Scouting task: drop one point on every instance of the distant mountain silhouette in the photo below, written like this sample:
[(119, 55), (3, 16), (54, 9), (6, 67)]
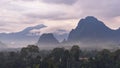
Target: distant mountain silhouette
[(23, 37), (26, 36), (47, 39), (91, 29)]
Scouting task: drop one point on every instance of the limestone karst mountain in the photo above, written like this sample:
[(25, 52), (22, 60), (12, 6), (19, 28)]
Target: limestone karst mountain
[(47, 39), (23, 37), (91, 31)]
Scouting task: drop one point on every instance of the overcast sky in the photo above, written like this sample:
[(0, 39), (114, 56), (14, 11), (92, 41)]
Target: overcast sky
[(15, 15)]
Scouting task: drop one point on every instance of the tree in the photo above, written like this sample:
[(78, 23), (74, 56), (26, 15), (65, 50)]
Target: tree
[(57, 54), (116, 56), (75, 52), (65, 59), (29, 50), (104, 59), (29, 54)]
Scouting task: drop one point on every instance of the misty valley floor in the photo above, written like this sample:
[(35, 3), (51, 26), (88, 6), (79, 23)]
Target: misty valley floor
[(32, 57)]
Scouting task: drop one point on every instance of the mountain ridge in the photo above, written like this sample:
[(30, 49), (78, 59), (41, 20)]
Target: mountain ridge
[(22, 37), (91, 31), (47, 39)]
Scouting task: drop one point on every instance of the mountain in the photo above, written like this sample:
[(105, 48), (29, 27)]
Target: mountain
[(91, 30), (47, 39), (23, 37), (29, 35)]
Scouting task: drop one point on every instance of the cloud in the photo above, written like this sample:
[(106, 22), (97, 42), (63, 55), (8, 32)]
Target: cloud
[(67, 2), (103, 8), (29, 0), (23, 13), (4, 29), (53, 15)]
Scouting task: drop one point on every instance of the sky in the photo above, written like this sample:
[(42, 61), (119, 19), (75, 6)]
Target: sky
[(15, 15)]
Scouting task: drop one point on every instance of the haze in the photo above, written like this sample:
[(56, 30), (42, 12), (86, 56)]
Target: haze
[(15, 15)]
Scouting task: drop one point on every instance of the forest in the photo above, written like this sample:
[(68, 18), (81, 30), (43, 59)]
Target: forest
[(32, 57)]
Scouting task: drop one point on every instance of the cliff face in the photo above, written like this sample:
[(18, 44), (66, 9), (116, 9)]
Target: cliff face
[(89, 32), (92, 29), (47, 39)]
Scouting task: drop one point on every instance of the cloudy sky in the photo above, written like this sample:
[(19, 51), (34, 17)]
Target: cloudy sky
[(15, 15)]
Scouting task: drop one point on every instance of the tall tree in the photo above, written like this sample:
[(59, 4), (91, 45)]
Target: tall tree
[(75, 52)]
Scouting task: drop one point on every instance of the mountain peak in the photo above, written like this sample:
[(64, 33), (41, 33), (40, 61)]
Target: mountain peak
[(28, 29), (39, 26), (91, 18), (34, 27), (47, 39), (90, 27), (90, 22), (47, 35)]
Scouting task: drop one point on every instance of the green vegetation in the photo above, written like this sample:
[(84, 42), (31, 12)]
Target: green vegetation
[(32, 57)]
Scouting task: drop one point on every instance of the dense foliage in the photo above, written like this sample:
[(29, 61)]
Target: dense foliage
[(32, 57)]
